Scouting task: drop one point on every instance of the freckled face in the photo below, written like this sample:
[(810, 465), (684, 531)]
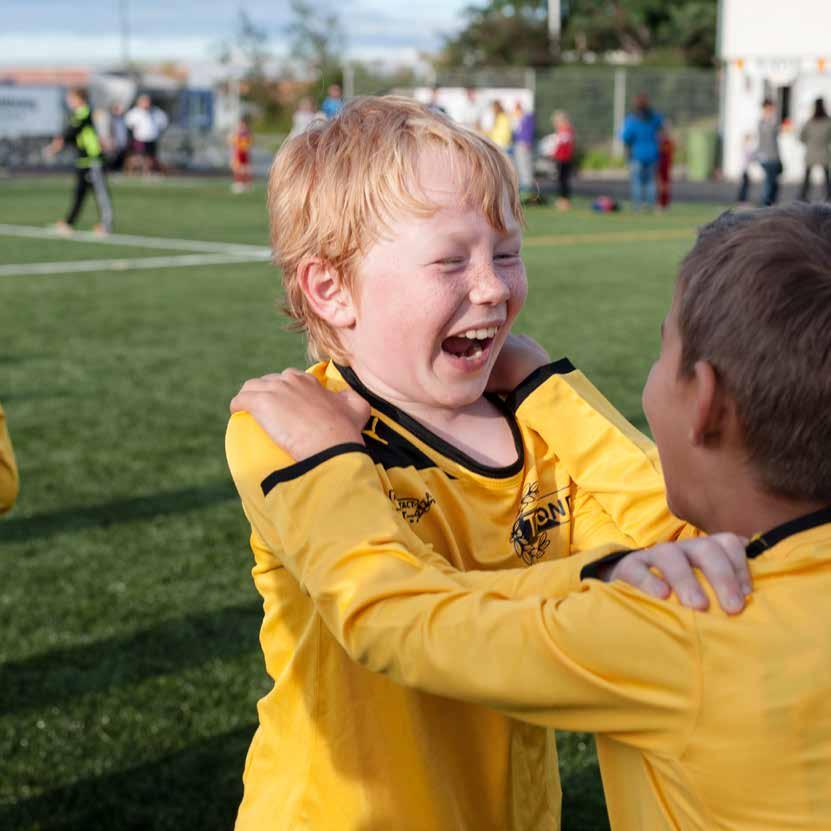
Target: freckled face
[(437, 297)]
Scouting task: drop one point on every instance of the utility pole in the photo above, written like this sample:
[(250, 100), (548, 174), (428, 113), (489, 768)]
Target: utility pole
[(554, 20), (554, 28), (125, 36)]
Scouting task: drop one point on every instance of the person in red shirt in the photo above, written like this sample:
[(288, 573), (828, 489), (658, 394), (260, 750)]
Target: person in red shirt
[(666, 148), (241, 141), (564, 157)]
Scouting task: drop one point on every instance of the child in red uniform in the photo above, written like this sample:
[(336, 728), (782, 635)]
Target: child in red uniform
[(241, 141), (564, 157), (666, 148)]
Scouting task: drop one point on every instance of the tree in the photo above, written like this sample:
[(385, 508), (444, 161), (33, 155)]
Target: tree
[(318, 41), (249, 46), (504, 33), (501, 33)]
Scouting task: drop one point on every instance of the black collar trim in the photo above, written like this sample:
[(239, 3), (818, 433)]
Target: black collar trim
[(762, 542), (436, 442), (535, 380)]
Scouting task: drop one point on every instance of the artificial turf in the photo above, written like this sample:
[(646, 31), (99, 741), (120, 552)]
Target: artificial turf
[(129, 659)]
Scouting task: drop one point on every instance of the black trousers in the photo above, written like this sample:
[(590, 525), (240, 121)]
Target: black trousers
[(806, 183), (564, 179), (86, 178)]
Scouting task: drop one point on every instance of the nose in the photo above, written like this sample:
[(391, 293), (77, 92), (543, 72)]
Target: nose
[(488, 287)]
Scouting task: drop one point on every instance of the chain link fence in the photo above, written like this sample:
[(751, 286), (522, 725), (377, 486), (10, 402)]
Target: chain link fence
[(596, 98)]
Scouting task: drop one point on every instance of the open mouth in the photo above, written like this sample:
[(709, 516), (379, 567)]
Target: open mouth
[(470, 345)]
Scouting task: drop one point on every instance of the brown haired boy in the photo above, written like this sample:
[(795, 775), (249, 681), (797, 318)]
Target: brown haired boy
[(702, 721), (399, 234)]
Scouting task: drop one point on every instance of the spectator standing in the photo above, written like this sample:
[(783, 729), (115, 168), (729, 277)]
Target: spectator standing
[(500, 132), (767, 152), (640, 133), (563, 157), (303, 116), (470, 114), (333, 102), (433, 104), (748, 157), (816, 136), (523, 136), (666, 150), (147, 123), (119, 138)]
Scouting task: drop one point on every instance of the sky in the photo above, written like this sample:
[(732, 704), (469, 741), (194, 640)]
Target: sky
[(83, 32)]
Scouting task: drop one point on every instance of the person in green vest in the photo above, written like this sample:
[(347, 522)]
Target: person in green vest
[(89, 166)]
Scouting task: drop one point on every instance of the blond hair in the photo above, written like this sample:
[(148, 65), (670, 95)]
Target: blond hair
[(334, 188)]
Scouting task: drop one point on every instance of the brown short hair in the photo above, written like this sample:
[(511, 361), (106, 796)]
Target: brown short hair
[(754, 300), (333, 188)]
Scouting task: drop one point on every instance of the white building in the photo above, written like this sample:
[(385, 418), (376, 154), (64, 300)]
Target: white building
[(775, 49)]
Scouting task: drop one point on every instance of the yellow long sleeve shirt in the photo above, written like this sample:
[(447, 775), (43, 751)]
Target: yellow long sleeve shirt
[(8, 468), (339, 747), (703, 721)]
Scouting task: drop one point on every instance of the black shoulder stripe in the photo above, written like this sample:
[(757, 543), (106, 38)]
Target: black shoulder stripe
[(536, 379), (296, 470)]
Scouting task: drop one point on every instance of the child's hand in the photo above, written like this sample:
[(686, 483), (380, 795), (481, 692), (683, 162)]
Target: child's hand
[(300, 415), (519, 357), (721, 558)]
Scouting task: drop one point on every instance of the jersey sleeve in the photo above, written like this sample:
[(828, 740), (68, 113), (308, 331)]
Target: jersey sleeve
[(603, 453), (259, 467), (9, 482), (603, 659)]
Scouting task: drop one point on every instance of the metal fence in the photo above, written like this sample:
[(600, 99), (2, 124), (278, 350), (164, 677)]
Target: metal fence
[(595, 97)]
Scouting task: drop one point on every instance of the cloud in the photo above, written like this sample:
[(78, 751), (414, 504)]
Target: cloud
[(189, 30)]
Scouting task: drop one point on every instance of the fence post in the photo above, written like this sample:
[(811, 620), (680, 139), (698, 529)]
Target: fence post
[(348, 81), (619, 111), (531, 82)]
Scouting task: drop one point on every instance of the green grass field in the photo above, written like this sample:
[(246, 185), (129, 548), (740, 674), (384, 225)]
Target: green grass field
[(129, 660)]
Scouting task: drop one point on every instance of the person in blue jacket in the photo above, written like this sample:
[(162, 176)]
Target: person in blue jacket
[(641, 137)]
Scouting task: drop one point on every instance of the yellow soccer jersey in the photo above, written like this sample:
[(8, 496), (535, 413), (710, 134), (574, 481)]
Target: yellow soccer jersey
[(8, 468), (338, 747), (703, 721)]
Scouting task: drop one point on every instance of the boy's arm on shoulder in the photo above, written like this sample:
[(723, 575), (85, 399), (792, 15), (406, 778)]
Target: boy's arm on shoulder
[(252, 456), (543, 660), (261, 468), (9, 482), (602, 452)]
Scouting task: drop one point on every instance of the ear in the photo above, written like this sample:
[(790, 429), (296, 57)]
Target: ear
[(713, 410), (326, 293)]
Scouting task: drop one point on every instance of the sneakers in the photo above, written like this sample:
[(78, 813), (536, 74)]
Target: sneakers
[(62, 228)]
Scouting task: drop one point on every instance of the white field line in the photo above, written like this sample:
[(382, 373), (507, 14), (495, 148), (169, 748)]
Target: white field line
[(163, 243), (77, 266)]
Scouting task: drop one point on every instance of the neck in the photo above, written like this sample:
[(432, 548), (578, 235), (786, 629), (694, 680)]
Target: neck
[(754, 512), (494, 441)]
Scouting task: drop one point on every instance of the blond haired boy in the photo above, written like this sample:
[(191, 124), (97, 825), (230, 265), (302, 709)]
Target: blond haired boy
[(398, 234)]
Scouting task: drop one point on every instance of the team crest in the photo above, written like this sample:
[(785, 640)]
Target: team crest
[(537, 515), (411, 508)]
